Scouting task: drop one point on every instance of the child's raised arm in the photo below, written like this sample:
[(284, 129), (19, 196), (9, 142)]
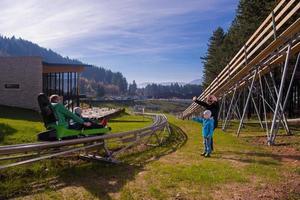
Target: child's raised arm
[(198, 119)]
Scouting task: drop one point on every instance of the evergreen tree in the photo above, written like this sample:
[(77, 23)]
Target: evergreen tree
[(170, 91), (213, 60), (222, 47), (100, 91), (132, 88)]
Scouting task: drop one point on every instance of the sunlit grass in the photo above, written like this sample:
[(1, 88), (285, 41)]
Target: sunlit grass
[(172, 170)]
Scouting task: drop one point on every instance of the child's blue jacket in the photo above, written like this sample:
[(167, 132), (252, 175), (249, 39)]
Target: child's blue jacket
[(207, 126)]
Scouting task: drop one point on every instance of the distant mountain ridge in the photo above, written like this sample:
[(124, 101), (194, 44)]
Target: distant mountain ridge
[(95, 78), (19, 47), (196, 82)]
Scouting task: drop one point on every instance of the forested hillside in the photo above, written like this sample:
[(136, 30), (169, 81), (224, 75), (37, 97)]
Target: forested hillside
[(96, 81), (223, 46), (94, 77), (19, 47), (174, 90)]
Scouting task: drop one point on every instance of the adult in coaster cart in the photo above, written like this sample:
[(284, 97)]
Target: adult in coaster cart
[(56, 116), (211, 104)]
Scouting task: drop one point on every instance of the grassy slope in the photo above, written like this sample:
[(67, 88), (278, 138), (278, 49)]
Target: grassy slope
[(151, 105), (21, 126), (18, 125), (186, 174), (173, 170), (164, 106)]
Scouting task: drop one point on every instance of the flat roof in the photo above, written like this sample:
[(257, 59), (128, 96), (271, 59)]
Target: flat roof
[(62, 67)]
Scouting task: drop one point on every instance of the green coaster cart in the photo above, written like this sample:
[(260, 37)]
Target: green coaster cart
[(58, 132)]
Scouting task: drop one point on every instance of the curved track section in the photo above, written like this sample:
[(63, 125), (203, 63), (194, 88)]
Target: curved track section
[(86, 146)]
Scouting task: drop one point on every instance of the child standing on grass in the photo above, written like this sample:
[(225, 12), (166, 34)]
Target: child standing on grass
[(207, 131)]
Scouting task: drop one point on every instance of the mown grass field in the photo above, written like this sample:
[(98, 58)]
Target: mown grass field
[(240, 168), (151, 105)]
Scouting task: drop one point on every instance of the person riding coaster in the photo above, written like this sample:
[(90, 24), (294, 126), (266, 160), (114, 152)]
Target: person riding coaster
[(56, 116), (94, 122)]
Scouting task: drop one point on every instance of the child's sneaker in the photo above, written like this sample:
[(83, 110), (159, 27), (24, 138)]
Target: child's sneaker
[(203, 154), (207, 155)]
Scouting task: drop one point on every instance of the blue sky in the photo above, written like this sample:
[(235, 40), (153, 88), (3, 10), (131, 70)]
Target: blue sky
[(146, 40)]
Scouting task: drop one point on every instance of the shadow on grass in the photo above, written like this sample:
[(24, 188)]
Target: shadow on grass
[(5, 130), (251, 157), (100, 179), (279, 144), (19, 114), (281, 139), (255, 127), (173, 142)]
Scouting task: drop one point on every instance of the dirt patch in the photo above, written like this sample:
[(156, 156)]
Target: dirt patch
[(172, 158), (286, 149), (288, 188)]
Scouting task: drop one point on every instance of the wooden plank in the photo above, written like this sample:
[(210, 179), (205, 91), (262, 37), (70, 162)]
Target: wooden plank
[(295, 49), (294, 28), (277, 17), (209, 89), (223, 72), (262, 26), (222, 82), (267, 68)]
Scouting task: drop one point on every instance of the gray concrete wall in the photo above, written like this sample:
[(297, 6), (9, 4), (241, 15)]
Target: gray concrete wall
[(25, 71)]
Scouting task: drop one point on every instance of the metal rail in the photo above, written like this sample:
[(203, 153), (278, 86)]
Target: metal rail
[(32, 152)]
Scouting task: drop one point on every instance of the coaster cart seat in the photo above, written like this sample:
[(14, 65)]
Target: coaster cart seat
[(59, 132)]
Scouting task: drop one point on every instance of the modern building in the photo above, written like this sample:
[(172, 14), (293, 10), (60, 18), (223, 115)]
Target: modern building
[(23, 78)]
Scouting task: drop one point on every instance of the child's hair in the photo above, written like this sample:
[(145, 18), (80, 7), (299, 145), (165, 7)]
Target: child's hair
[(207, 112), (54, 98), (78, 111)]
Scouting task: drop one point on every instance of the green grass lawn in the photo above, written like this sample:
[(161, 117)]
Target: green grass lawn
[(164, 106), (19, 125), (127, 122), (151, 105), (174, 170)]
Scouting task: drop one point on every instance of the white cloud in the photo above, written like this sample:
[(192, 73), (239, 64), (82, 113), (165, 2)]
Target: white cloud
[(59, 23), (125, 35)]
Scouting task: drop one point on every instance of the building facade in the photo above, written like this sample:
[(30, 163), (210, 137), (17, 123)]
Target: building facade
[(23, 78)]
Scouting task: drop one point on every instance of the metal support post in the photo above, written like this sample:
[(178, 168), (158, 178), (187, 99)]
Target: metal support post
[(247, 102), (229, 109), (273, 132)]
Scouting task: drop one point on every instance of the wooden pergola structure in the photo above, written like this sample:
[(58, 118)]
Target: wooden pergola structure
[(249, 77)]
